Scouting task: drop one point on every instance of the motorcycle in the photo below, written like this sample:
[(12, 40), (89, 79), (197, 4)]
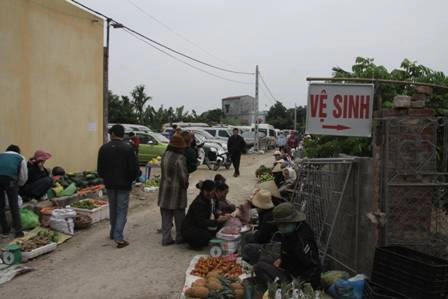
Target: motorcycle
[(213, 156)]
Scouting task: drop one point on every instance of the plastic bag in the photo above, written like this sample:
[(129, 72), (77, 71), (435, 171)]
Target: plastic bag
[(61, 220), (66, 226), (28, 219)]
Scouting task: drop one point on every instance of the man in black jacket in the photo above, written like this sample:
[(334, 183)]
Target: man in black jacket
[(299, 252), (236, 146), (118, 167)]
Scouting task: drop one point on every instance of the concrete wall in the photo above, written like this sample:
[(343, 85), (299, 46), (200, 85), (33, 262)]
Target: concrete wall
[(242, 107), (51, 80)]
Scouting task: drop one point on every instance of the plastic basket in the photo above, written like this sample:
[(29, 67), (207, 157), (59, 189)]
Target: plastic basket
[(27, 255)]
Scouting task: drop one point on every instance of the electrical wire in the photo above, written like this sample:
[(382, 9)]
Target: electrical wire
[(143, 11), (267, 87), (184, 62), (160, 44)]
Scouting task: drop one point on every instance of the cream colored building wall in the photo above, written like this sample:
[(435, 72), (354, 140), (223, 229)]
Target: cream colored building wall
[(51, 81)]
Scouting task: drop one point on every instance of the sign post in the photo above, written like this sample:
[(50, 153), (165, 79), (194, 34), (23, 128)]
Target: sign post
[(340, 109)]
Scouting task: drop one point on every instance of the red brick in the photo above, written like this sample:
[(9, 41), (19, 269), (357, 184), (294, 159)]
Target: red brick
[(418, 104), (424, 89), (419, 97), (425, 112)]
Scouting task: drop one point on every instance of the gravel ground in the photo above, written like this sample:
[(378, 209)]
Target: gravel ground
[(89, 266)]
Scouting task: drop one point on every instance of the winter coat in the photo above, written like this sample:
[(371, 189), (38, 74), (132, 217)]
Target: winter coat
[(117, 165), (265, 228), (236, 144), (198, 227), (173, 181), (300, 255), (192, 159)]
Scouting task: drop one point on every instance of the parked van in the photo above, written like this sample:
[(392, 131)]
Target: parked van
[(270, 133), (182, 125), (219, 132)]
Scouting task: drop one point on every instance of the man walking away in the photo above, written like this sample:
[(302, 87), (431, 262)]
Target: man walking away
[(13, 173), (236, 146), (118, 167)]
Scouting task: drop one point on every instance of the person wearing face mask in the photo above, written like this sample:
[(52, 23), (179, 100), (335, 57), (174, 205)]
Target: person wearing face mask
[(200, 224), (299, 251)]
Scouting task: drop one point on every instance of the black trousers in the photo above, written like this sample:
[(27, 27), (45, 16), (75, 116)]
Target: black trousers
[(197, 238), (236, 158), (266, 273), (37, 189), (12, 191)]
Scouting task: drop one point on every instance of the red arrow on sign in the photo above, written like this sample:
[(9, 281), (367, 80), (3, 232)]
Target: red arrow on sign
[(336, 127)]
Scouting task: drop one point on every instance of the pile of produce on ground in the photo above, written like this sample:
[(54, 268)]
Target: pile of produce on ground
[(265, 178), (68, 184), (225, 266), (263, 170), (154, 182), (155, 161), (216, 286), (89, 204), (41, 239)]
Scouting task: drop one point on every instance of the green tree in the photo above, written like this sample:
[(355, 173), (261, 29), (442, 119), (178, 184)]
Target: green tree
[(121, 110), (280, 117), (140, 99)]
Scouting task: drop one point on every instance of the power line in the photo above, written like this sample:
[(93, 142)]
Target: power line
[(174, 32), (184, 62), (267, 87), (160, 44)]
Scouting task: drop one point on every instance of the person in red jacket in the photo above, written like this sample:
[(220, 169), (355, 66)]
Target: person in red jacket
[(293, 141), (134, 141)]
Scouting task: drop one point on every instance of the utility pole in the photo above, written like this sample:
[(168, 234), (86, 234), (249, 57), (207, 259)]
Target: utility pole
[(295, 117), (106, 84), (257, 145)]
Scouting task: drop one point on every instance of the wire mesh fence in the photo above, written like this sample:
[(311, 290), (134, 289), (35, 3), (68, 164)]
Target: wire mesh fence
[(326, 191), (415, 185)]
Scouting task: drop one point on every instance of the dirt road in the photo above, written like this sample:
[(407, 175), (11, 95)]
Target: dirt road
[(89, 265)]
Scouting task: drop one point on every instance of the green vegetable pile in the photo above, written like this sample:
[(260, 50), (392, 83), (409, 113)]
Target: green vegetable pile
[(155, 182), (265, 178), (263, 170), (84, 204)]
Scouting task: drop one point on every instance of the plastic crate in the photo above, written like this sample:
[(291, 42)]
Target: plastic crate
[(411, 272), (62, 202), (27, 255), (397, 284), (423, 265), (376, 291), (96, 214)]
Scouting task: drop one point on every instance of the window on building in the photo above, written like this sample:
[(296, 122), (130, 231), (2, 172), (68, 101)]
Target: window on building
[(227, 107)]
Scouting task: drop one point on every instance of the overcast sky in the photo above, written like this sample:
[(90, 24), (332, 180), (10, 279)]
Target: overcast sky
[(288, 39)]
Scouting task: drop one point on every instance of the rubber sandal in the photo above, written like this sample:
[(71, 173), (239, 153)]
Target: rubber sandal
[(122, 244)]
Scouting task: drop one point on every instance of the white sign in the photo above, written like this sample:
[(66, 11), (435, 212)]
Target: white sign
[(91, 127), (340, 109)]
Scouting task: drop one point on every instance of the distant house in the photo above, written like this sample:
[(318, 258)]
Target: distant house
[(241, 108)]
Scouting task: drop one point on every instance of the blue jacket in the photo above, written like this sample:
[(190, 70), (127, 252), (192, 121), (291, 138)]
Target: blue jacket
[(13, 165)]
